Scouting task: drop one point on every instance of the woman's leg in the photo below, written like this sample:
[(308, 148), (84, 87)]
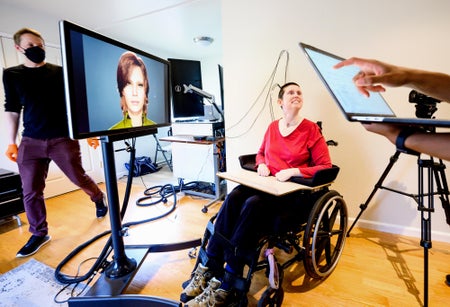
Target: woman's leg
[(227, 219)]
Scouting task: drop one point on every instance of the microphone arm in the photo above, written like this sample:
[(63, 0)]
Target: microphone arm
[(193, 89)]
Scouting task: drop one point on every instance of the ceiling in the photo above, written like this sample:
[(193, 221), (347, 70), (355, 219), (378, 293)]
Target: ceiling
[(168, 26)]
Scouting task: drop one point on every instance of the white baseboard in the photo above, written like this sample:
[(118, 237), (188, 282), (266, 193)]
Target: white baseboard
[(401, 230)]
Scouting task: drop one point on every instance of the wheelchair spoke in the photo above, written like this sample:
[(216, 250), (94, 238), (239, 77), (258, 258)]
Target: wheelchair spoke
[(333, 215), (323, 244), (326, 235)]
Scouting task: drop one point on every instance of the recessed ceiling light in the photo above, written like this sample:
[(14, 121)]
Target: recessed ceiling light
[(203, 40)]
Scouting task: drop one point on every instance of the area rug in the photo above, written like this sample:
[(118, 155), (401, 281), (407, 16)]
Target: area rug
[(33, 284)]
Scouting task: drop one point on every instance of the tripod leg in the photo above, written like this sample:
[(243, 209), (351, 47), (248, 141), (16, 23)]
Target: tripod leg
[(442, 188), (378, 185), (425, 210)]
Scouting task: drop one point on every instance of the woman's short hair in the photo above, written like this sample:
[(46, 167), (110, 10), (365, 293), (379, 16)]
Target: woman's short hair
[(126, 63), (283, 89)]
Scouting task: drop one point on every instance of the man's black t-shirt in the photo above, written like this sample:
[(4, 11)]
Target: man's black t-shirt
[(39, 93)]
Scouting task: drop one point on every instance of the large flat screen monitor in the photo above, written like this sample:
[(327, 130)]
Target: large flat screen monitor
[(112, 88)]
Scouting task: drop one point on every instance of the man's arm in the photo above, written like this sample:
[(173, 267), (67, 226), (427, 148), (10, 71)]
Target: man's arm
[(12, 126), (434, 84), (374, 75), (433, 144), (436, 145)]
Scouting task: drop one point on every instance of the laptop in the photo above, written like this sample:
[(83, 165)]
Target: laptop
[(354, 105)]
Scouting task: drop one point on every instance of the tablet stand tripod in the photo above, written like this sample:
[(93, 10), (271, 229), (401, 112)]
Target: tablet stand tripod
[(432, 170)]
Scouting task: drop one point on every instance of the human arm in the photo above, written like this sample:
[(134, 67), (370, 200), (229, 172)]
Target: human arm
[(433, 144), (319, 155), (283, 175), (12, 127), (374, 75), (260, 161)]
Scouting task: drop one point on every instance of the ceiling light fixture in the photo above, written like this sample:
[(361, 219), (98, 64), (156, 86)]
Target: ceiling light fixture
[(203, 40)]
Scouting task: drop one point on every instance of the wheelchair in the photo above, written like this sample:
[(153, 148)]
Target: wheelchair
[(318, 242)]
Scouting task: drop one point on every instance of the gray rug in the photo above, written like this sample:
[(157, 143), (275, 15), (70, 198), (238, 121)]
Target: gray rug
[(33, 284)]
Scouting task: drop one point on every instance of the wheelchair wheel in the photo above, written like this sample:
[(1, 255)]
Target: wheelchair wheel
[(271, 297), (325, 235)]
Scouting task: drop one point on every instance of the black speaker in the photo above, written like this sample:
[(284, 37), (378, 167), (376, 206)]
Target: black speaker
[(185, 72)]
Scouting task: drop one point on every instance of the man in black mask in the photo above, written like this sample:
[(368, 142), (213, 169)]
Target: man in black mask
[(36, 89)]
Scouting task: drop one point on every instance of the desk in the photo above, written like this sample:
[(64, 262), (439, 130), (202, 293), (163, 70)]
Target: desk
[(198, 160)]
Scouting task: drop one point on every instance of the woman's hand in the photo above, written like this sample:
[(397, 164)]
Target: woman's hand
[(263, 170), (286, 174)]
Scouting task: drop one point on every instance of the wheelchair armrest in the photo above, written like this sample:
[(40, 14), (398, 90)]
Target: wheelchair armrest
[(248, 162), (323, 176)]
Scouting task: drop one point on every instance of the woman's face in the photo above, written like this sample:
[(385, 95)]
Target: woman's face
[(134, 92), (292, 99)]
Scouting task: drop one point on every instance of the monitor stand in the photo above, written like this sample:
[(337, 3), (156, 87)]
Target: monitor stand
[(127, 259)]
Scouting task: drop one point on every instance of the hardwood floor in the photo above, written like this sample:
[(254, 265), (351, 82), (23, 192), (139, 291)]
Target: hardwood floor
[(376, 269)]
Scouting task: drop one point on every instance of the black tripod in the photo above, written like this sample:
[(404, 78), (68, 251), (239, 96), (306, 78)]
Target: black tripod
[(435, 174)]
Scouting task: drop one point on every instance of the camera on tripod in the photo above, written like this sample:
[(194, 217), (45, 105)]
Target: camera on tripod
[(425, 105)]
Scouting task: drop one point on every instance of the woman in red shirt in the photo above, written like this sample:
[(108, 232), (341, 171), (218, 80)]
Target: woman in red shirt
[(292, 146)]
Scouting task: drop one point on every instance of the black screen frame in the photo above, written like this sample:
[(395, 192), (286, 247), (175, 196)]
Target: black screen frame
[(186, 106), (76, 91)]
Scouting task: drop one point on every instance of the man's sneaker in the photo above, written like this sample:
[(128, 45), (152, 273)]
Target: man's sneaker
[(33, 245), (197, 283), (101, 208), (211, 296), (447, 280)]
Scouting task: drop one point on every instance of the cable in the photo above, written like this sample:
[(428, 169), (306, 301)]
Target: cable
[(270, 85), (75, 285), (101, 262)]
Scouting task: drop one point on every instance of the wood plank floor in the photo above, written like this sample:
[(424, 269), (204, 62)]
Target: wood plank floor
[(376, 269)]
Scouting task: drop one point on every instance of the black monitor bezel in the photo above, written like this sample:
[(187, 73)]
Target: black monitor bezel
[(72, 97)]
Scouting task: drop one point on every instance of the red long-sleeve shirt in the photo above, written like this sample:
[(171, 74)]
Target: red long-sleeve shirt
[(305, 148)]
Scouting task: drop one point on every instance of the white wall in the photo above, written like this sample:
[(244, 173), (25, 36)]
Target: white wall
[(405, 32)]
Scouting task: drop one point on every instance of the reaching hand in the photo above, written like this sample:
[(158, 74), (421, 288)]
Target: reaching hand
[(374, 73), (12, 152), (93, 142)]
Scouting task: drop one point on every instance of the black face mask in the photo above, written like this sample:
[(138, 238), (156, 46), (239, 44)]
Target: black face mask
[(35, 54)]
